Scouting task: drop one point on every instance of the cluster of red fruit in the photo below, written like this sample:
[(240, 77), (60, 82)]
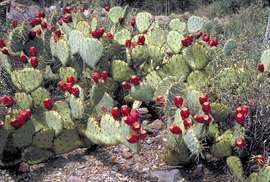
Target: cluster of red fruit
[(47, 103), (261, 67), (24, 115), (141, 40), (241, 112), (69, 86), (97, 34), (96, 76), (7, 101), (67, 18), (3, 47), (34, 59), (134, 79), (37, 20)]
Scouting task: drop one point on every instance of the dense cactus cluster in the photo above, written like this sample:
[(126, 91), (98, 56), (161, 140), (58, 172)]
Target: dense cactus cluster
[(162, 66)]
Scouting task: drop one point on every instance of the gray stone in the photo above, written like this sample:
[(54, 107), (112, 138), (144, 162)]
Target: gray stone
[(146, 146), (200, 171), (172, 175), (157, 124), (115, 168), (59, 161), (75, 179)]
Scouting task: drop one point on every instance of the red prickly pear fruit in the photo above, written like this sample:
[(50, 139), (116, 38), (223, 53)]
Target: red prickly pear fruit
[(75, 91), (38, 32), (190, 38), (41, 14), (43, 25), (32, 23), (128, 120), (96, 77), (215, 41), (62, 85), (74, 9), (128, 43), (136, 126), (21, 112), (14, 23), (260, 159), (134, 114), (240, 142), (141, 39), (4, 50), (188, 122), (261, 67), (207, 119), (60, 22), (2, 124), (135, 80), (125, 110), (69, 17), (198, 34), (134, 44), (34, 62), (239, 110), (199, 118), (70, 79), (28, 113), (69, 87), (126, 85), (121, 19), (5, 100), (175, 129), (82, 9), (203, 98), (206, 107), (58, 32), (67, 9), (22, 118), (38, 21), (184, 112), (132, 23), (95, 33), (211, 43), (109, 36), (160, 99), (14, 122), (206, 37), (37, 16), (50, 27), (104, 109), (100, 32), (184, 41), (142, 134), (47, 103), (115, 112), (10, 101), (245, 110), (33, 51), (65, 20), (104, 75), (107, 8), (178, 101), (240, 118), (32, 34), (56, 38), (131, 138), (2, 43)]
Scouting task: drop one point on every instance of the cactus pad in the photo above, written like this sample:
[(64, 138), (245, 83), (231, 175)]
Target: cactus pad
[(222, 147), (76, 106), (54, 121), (122, 36), (31, 79), (143, 21), (192, 142), (140, 52), (74, 38), (64, 72), (198, 79), (107, 101), (97, 92), (195, 24), (175, 158), (264, 174), (193, 101), (163, 85), (84, 27), (157, 37), (5, 62), (174, 41), (92, 131), (115, 13), (63, 52), (24, 100), (39, 95), (3, 138), (178, 25), (110, 130), (234, 163), (142, 92), (63, 109), (229, 46), (33, 155), (219, 112), (121, 71), (178, 66), (44, 138)]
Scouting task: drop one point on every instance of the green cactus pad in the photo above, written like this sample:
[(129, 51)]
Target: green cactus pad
[(157, 37), (83, 27), (48, 74), (25, 30), (143, 21), (77, 107), (213, 129), (97, 92), (30, 79), (174, 41), (3, 138), (39, 95), (5, 62), (33, 155), (178, 66), (24, 100), (153, 78), (67, 141), (192, 142), (54, 121), (175, 158), (64, 72), (44, 138), (74, 38), (163, 86), (122, 36), (195, 24), (63, 51), (115, 13), (142, 92), (229, 46), (121, 71), (66, 28), (264, 174), (238, 132), (94, 23), (253, 177), (222, 147), (178, 25), (228, 76), (90, 51), (197, 57), (193, 102), (16, 78), (16, 43), (23, 135), (107, 101), (63, 109), (140, 52), (110, 130), (92, 131), (198, 79), (235, 165), (38, 43), (126, 130), (156, 55), (219, 112)]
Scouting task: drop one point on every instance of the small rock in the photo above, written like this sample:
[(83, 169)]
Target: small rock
[(146, 146), (124, 179), (143, 110), (118, 175), (172, 175), (75, 179), (200, 171), (145, 169), (24, 167), (157, 124), (59, 162), (149, 140), (113, 173), (100, 164), (81, 166), (115, 168), (126, 155)]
